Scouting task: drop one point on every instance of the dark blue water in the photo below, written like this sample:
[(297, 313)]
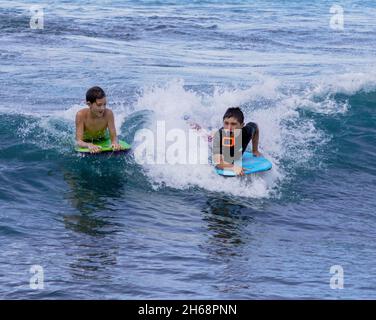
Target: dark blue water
[(110, 227)]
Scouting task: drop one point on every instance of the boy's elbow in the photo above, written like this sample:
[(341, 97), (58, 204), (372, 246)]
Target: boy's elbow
[(257, 130)]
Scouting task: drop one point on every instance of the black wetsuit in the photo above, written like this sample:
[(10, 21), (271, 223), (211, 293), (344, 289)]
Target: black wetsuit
[(232, 146)]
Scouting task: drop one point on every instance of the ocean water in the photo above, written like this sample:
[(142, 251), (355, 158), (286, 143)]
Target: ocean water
[(112, 228)]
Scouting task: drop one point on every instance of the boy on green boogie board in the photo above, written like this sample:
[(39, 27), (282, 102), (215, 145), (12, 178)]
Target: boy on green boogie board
[(96, 123)]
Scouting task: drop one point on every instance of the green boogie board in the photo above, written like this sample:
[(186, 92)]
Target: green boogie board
[(106, 146)]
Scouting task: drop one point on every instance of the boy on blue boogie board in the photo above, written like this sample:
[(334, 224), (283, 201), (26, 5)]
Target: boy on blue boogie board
[(231, 141)]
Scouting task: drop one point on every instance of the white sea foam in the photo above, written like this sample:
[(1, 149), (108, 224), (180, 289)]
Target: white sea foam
[(284, 133), (172, 102)]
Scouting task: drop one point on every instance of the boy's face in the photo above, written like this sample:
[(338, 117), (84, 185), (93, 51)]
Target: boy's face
[(231, 124), (98, 107)]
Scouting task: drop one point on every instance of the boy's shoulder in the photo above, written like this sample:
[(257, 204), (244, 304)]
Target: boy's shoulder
[(250, 125), (250, 128), (108, 114), (82, 112)]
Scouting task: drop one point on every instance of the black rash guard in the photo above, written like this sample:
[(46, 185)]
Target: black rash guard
[(232, 146)]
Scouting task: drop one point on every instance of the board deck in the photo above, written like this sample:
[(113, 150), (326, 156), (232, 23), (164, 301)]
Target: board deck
[(105, 145), (250, 163)]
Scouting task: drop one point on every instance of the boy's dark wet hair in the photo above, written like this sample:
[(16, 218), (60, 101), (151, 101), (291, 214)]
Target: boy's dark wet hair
[(94, 93), (234, 113)]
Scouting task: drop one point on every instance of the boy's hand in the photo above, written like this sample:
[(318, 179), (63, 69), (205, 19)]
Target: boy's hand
[(93, 148), (257, 154), (239, 171), (116, 147)]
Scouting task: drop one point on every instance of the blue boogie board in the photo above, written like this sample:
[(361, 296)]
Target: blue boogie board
[(250, 163)]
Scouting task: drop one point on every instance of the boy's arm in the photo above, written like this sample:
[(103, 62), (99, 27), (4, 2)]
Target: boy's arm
[(80, 135), (221, 164), (218, 158), (80, 131), (255, 142), (112, 129)]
